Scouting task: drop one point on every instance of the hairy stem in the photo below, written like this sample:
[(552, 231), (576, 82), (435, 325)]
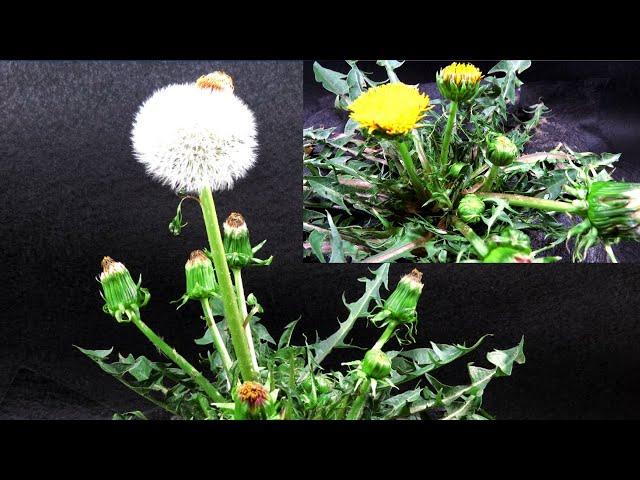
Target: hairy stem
[(229, 301), (242, 304), (178, 359)]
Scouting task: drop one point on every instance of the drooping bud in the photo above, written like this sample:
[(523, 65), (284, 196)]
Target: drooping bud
[(501, 151), (376, 364), (121, 294), (237, 245), (471, 208), (401, 304), (251, 398), (216, 81), (458, 82), (201, 278), (614, 209)]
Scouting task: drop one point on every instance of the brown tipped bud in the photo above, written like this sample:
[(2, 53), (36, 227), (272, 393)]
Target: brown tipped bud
[(219, 81), (235, 220), (253, 394)]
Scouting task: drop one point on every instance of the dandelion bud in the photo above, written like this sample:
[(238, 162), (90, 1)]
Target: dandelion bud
[(401, 304), (458, 82), (219, 81), (471, 208), (121, 294), (251, 399), (614, 209), (376, 364), (236, 241), (323, 384), (501, 151), (201, 279)]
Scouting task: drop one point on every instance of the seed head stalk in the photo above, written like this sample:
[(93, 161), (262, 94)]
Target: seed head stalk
[(229, 300)]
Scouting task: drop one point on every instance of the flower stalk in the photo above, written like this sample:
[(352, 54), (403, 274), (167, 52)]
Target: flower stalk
[(514, 200), (476, 242), (218, 342), (242, 304), (229, 301), (446, 139), (409, 166)]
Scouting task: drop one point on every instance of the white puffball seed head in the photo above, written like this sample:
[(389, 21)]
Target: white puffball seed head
[(189, 137)]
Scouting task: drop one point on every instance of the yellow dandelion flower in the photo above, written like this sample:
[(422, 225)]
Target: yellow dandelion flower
[(393, 108), (459, 81)]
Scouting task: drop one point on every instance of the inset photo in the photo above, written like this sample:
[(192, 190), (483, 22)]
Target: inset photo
[(506, 161)]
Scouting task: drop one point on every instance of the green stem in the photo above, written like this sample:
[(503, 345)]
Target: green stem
[(230, 304), (609, 250), (476, 242), (537, 203), (358, 405), (411, 170), (178, 359), (446, 140), (386, 335), (493, 173), (227, 363), (242, 304)]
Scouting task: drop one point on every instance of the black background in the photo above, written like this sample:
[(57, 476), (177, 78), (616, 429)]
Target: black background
[(73, 193)]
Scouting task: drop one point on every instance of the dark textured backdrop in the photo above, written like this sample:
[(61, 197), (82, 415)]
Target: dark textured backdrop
[(73, 193)]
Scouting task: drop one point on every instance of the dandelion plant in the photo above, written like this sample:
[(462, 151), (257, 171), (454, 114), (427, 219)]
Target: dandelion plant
[(435, 180), (199, 138)]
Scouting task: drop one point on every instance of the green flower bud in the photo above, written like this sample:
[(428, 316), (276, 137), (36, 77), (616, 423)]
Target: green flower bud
[(121, 294), (401, 304), (614, 209), (201, 278), (471, 208), (376, 364), (236, 241), (501, 151), (323, 384), (458, 82), (510, 237)]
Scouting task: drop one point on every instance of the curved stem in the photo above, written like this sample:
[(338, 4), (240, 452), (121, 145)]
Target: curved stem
[(227, 363), (358, 405), (476, 242), (231, 310), (407, 161), (446, 140), (179, 360), (242, 304), (386, 335), (493, 173), (533, 202)]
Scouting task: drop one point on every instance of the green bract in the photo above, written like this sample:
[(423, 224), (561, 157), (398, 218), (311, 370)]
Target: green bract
[(401, 305), (123, 297), (201, 278), (614, 209), (237, 245), (471, 208), (376, 364), (501, 150)]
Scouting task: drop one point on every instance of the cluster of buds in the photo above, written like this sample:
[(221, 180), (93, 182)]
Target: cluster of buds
[(400, 307), (501, 151), (471, 208), (614, 209), (237, 245), (459, 82), (123, 297)]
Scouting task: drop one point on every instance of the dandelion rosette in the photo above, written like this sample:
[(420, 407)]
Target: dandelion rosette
[(459, 82), (392, 109), (471, 208), (614, 209), (196, 135), (501, 151), (122, 296)]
